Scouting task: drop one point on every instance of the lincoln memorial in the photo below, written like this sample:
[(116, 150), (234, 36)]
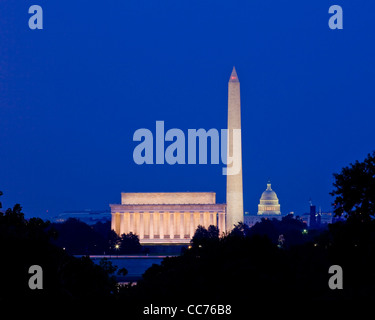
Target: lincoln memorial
[(161, 218)]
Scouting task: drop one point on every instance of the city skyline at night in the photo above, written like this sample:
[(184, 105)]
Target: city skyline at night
[(185, 158), (70, 109)]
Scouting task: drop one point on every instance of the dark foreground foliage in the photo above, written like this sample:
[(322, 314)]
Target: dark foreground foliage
[(240, 266), (250, 267), (244, 267), (78, 238), (24, 243)]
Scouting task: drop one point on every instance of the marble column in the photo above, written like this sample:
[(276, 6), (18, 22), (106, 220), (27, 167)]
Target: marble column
[(212, 219), (161, 225), (171, 225), (118, 225), (131, 227), (192, 227), (182, 225), (201, 219), (141, 226), (136, 225), (113, 221), (207, 219), (151, 233), (122, 223)]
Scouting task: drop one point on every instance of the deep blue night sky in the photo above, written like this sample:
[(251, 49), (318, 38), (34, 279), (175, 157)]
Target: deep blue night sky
[(72, 95)]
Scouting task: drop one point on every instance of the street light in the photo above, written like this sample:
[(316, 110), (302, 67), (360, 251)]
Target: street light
[(117, 247)]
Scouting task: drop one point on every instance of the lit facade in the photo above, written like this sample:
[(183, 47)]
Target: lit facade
[(162, 218), (268, 208), (269, 203)]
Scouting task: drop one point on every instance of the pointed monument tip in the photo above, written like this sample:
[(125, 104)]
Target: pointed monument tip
[(233, 76)]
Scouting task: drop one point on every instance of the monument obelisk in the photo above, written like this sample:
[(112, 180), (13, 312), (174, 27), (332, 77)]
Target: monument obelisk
[(234, 155)]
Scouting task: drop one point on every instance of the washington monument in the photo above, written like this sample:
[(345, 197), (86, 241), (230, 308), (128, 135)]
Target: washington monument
[(234, 182), (173, 217)]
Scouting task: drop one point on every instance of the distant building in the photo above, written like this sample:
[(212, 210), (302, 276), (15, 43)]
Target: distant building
[(319, 219), (89, 217), (313, 217), (166, 217), (268, 208), (324, 218), (269, 203)]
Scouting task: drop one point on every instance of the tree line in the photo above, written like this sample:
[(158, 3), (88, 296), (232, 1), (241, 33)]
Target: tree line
[(247, 264), (79, 238)]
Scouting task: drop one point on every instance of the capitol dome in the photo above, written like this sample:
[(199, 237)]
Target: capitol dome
[(269, 194), (269, 203)]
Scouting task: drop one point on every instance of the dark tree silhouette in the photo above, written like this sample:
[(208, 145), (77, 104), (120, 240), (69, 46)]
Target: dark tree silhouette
[(122, 272), (289, 227), (129, 244), (202, 236), (79, 238), (235, 268), (355, 190), (27, 242), (240, 230)]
